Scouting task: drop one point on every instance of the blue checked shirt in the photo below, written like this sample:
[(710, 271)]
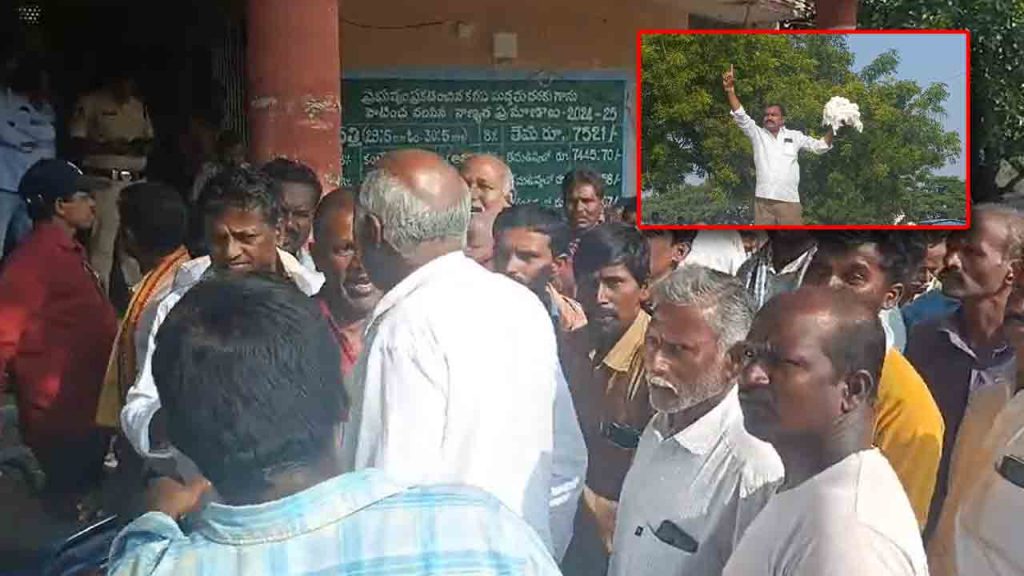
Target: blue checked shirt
[(355, 524)]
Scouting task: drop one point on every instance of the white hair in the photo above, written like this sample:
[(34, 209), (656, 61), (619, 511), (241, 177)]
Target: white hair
[(509, 189), (406, 220), (722, 299)]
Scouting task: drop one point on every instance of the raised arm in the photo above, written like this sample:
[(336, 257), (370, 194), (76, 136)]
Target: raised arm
[(729, 83)]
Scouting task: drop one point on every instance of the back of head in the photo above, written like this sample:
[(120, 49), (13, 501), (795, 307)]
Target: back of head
[(580, 177), (677, 236), (901, 253), (285, 170), (418, 198), (336, 200), (539, 219), (250, 378), (242, 188), (155, 215), (722, 299), (609, 245), (856, 340)]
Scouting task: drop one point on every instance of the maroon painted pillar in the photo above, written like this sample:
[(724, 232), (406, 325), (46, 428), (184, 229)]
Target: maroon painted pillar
[(836, 14), (294, 84)]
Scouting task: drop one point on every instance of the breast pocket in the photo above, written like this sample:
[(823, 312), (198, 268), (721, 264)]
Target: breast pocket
[(790, 149)]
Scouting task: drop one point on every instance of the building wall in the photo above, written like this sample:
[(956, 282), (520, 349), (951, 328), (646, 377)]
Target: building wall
[(552, 34)]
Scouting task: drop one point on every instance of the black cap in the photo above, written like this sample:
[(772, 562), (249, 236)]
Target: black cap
[(49, 180)]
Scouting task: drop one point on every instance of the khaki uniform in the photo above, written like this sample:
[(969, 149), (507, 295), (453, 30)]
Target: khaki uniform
[(99, 117)]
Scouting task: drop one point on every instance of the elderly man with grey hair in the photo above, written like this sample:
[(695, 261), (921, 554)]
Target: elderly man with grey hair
[(698, 478), (450, 387), (490, 181)]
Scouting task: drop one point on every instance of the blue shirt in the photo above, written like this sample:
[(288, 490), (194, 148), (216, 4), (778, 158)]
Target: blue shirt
[(27, 135), (931, 305), (357, 523)]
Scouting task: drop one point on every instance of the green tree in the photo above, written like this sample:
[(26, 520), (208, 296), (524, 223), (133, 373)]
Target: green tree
[(867, 178), (997, 73)]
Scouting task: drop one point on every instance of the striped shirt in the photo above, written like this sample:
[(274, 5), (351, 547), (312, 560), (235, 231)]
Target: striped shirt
[(359, 523)]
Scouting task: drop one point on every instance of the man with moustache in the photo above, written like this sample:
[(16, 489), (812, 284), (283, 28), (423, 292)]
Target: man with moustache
[(973, 535), (241, 210), (583, 201), (531, 243), (698, 478), (873, 267), (605, 364), (347, 296), (809, 370), (300, 191), (965, 351), (490, 181)]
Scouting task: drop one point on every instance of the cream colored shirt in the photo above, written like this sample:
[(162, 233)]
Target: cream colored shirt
[(853, 519), (99, 117)]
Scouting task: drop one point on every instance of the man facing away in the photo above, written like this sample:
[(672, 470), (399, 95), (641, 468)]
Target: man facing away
[(698, 478), (873, 267), (251, 380), (460, 379), (531, 243), (808, 382), (776, 151)]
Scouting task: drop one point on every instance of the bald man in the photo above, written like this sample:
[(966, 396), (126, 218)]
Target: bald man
[(480, 239), (348, 295), (455, 389), (490, 181), (808, 380)]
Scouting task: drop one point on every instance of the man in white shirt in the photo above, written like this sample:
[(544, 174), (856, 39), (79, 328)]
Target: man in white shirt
[(241, 211), (490, 181), (454, 387), (809, 372), (698, 478), (777, 195)]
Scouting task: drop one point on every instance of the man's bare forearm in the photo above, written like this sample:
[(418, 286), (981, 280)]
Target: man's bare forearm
[(734, 101), (828, 136)]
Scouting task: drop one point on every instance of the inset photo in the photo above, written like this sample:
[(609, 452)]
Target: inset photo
[(814, 129)]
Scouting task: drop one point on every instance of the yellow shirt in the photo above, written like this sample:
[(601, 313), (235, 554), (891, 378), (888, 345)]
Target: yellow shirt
[(908, 430)]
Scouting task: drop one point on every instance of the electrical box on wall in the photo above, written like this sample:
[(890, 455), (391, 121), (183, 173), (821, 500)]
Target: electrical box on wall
[(505, 45)]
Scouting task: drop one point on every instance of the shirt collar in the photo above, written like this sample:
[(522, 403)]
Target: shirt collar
[(953, 326), (621, 355), (192, 271), (54, 233), (701, 436), (309, 510), (795, 266), (438, 267)]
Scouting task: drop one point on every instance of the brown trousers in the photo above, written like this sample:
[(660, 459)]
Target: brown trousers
[(775, 213)]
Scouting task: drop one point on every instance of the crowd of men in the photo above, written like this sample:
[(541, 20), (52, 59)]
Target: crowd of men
[(422, 376)]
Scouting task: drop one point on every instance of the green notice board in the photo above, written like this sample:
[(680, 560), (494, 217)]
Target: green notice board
[(541, 129)]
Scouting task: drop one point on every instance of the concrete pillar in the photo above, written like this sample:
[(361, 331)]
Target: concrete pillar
[(836, 14), (294, 84)]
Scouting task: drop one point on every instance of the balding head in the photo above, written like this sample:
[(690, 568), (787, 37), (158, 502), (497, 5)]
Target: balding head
[(341, 200), (480, 238), (413, 207), (812, 358), (490, 182)]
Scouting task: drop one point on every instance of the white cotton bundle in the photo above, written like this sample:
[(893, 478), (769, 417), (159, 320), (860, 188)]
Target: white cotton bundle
[(839, 112)]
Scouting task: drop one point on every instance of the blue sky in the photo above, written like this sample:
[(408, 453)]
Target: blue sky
[(925, 58)]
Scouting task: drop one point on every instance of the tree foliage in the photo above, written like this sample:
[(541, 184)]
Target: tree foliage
[(997, 72), (868, 178)]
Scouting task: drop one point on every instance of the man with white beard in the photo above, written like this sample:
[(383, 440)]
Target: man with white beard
[(698, 478)]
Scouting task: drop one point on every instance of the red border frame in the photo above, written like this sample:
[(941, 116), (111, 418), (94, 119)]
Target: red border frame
[(639, 138)]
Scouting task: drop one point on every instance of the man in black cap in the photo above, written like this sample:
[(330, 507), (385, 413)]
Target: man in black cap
[(56, 331)]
